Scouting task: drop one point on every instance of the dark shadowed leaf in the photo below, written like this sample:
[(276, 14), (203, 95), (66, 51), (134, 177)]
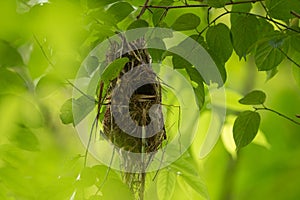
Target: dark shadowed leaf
[(216, 3), (256, 97), (9, 56), (245, 128), (140, 23), (268, 54), (245, 7), (113, 69), (281, 9), (120, 10), (244, 34), (156, 53), (185, 22), (218, 39), (271, 73), (295, 41)]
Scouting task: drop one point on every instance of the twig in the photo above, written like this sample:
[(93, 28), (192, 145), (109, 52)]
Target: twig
[(278, 113), (266, 18), (295, 14), (201, 5), (289, 58), (145, 6)]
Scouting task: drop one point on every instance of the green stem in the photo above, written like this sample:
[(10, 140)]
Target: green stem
[(278, 113)]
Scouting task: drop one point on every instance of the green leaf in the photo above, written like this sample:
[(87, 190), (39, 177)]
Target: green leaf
[(244, 34), (196, 77), (66, 114), (218, 39), (97, 3), (245, 8), (25, 139), (216, 3), (47, 85), (271, 73), (185, 22), (87, 178), (140, 23), (156, 54), (158, 16), (91, 64), (268, 53), (295, 41), (179, 62), (245, 128), (296, 74), (113, 69), (120, 10), (9, 56), (256, 97), (82, 107), (281, 9), (166, 182), (186, 168)]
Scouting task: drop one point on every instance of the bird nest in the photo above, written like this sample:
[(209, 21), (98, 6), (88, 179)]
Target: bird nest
[(134, 96)]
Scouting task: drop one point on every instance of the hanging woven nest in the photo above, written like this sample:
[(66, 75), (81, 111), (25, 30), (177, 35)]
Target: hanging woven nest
[(138, 143)]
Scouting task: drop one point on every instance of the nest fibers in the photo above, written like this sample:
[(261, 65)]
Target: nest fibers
[(133, 120)]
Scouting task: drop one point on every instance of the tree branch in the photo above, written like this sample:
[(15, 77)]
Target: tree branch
[(200, 5), (278, 113), (289, 58), (295, 14), (145, 6)]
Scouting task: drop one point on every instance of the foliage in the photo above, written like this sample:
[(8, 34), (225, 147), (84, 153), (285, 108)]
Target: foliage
[(42, 44)]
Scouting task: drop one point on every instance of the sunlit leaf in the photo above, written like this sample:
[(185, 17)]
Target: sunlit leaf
[(254, 97), (245, 128), (47, 85), (185, 22), (25, 139), (185, 168), (66, 114), (87, 178), (97, 3), (166, 182)]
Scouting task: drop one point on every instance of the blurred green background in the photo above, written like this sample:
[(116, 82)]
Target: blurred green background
[(42, 44)]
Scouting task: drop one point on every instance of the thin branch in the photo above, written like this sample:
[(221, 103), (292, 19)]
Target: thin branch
[(144, 8), (278, 113), (289, 58), (295, 14), (201, 5), (266, 18), (213, 21)]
